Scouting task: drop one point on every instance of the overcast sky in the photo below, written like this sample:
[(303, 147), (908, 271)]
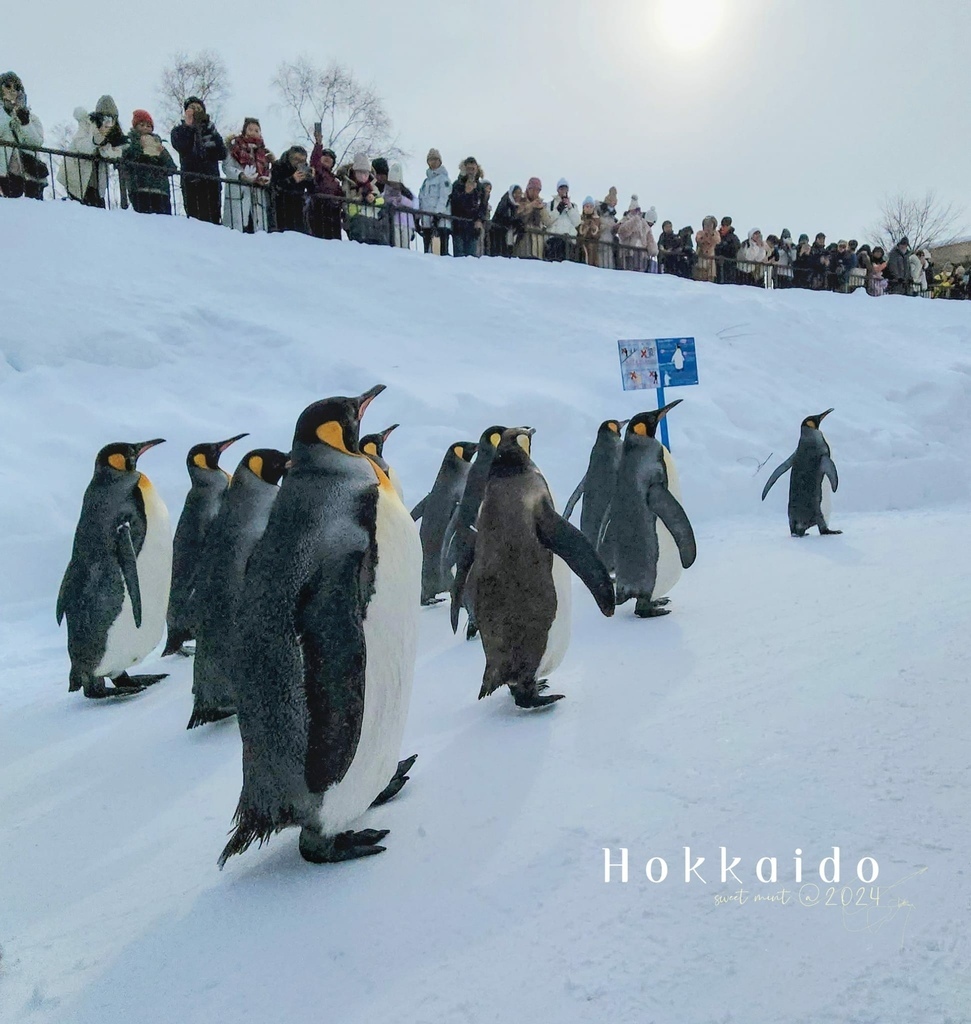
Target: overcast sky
[(782, 113)]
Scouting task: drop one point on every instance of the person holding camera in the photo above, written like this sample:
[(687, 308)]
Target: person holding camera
[(248, 162), (97, 139), (325, 204), (292, 181), (467, 204), (21, 172), (201, 150)]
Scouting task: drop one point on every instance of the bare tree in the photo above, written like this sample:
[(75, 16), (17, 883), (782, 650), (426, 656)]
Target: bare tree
[(203, 74), (927, 221), (352, 115)]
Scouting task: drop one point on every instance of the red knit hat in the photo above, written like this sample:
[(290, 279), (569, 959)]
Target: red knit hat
[(141, 115)]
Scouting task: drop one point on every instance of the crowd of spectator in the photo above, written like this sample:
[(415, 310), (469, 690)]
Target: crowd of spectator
[(236, 181)]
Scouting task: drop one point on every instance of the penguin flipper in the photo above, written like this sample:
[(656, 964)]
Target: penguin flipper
[(668, 509), (463, 566), (62, 594), (125, 552), (829, 469), (419, 510), (776, 473), (574, 498), (566, 541)]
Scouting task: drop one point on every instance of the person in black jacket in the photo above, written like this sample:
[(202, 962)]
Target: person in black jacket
[(292, 180), (898, 268), (726, 251), (467, 203), (201, 149), (507, 226)]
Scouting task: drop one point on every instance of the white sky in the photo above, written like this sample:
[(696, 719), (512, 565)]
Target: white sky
[(782, 113)]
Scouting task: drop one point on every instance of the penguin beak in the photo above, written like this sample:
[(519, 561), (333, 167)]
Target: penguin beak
[(622, 423), (528, 431), (387, 433), (662, 412), (365, 400), (221, 446), (142, 446), (823, 415)]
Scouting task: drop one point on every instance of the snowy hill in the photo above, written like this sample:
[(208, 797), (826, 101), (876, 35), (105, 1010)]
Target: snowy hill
[(803, 695)]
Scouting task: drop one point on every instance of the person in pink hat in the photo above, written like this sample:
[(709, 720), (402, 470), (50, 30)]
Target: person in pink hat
[(535, 217)]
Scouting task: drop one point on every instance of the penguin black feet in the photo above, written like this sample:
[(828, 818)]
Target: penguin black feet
[(320, 849), (649, 609), (140, 681), (124, 685), (531, 696), (427, 602), (205, 716), (825, 531), (398, 780), (174, 642)]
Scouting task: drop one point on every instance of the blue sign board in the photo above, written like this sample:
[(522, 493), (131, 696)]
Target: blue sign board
[(658, 363)]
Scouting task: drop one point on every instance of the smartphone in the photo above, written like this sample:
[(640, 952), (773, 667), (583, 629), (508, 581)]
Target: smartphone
[(317, 128)]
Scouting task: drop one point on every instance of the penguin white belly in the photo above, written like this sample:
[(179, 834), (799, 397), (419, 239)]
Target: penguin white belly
[(391, 640), (669, 567), (396, 483), (558, 638), (127, 644), (826, 496)]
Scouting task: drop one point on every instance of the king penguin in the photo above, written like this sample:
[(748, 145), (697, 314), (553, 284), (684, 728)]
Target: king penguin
[(459, 544), (435, 511), (116, 587), (597, 486), (326, 647), (372, 445), (652, 537), (209, 483), (238, 525), (812, 480), (520, 576)]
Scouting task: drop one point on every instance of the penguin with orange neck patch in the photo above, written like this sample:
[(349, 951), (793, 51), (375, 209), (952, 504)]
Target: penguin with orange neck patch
[(327, 644), (116, 587), (652, 539), (812, 480), (209, 484), (372, 445)]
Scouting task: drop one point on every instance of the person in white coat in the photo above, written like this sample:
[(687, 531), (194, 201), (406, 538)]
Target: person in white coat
[(248, 161), (433, 197), (21, 173), (918, 272), (98, 139), (564, 219), (752, 260)]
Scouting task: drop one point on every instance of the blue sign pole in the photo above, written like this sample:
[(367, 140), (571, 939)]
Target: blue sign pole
[(664, 422)]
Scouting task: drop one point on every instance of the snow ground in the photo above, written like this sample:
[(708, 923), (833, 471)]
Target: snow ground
[(803, 694)]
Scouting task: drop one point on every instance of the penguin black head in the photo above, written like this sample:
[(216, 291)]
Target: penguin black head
[(812, 422), (373, 444), (644, 424), (464, 450), (514, 447), (335, 422), (268, 464), (122, 456), (206, 456), (490, 438), (611, 428)]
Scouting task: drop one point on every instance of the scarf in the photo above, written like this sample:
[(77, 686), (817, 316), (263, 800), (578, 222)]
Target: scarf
[(251, 153)]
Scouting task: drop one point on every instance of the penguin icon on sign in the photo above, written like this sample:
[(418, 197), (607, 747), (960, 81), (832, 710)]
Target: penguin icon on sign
[(678, 358)]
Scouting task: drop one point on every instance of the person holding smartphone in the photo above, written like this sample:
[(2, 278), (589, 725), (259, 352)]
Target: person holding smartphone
[(21, 172), (201, 150), (325, 201)]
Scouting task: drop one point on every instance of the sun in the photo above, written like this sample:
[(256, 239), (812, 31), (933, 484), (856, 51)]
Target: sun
[(689, 24)]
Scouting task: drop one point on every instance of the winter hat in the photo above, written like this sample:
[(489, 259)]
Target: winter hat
[(361, 163), (786, 234), (535, 183), (562, 183), (753, 231), (803, 238), (589, 201), (193, 99), (329, 152), (394, 173), (379, 165), (107, 106), (433, 154), (470, 160), (635, 205), (142, 115), (904, 241), (512, 188), (651, 216)]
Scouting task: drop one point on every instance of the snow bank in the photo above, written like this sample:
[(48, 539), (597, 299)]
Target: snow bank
[(802, 695)]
